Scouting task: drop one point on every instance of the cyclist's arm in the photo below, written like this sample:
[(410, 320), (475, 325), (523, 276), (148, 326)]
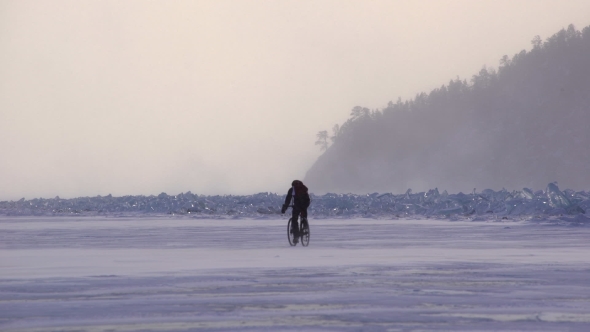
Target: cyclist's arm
[(287, 200), (289, 196)]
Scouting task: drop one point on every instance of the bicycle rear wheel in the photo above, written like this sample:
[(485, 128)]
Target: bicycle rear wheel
[(290, 236), (304, 233)]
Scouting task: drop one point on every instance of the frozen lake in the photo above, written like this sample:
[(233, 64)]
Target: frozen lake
[(167, 274)]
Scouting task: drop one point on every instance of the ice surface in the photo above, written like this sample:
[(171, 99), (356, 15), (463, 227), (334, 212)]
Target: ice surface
[(485, 205), (174, 273)]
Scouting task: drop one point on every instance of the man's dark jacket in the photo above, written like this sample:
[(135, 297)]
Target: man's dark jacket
[(301, 198)]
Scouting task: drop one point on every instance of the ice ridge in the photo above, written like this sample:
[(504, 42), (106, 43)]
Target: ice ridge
[(476, 205)]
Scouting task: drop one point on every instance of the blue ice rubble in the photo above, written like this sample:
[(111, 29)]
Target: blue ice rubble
[(484, 205)]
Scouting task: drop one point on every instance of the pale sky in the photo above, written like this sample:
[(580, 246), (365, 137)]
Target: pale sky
[(223, 97)]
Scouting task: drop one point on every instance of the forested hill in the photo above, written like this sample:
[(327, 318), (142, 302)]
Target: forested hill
[(525, 124)]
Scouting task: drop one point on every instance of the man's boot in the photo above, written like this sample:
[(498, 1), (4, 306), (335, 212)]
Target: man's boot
[(295, 231)]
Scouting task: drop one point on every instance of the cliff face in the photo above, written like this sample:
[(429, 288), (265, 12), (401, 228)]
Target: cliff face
[(524, 125)]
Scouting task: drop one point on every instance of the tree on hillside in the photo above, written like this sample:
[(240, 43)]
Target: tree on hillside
[(359, 112), (322, 140), (335, 132)]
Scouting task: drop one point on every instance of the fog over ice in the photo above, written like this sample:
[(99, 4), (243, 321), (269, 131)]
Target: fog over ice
[(220, 96)]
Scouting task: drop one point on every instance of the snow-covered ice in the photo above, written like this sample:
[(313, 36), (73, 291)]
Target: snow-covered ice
[(184, 274)]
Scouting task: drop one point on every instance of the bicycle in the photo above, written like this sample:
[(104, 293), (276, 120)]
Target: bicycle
[(304, 232)]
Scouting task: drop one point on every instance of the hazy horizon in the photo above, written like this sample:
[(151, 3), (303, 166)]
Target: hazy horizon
[(223, 97)]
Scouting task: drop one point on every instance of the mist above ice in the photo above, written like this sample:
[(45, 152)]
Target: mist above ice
[(222, 97)]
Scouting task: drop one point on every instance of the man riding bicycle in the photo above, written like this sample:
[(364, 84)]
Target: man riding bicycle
[(298, 192)]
